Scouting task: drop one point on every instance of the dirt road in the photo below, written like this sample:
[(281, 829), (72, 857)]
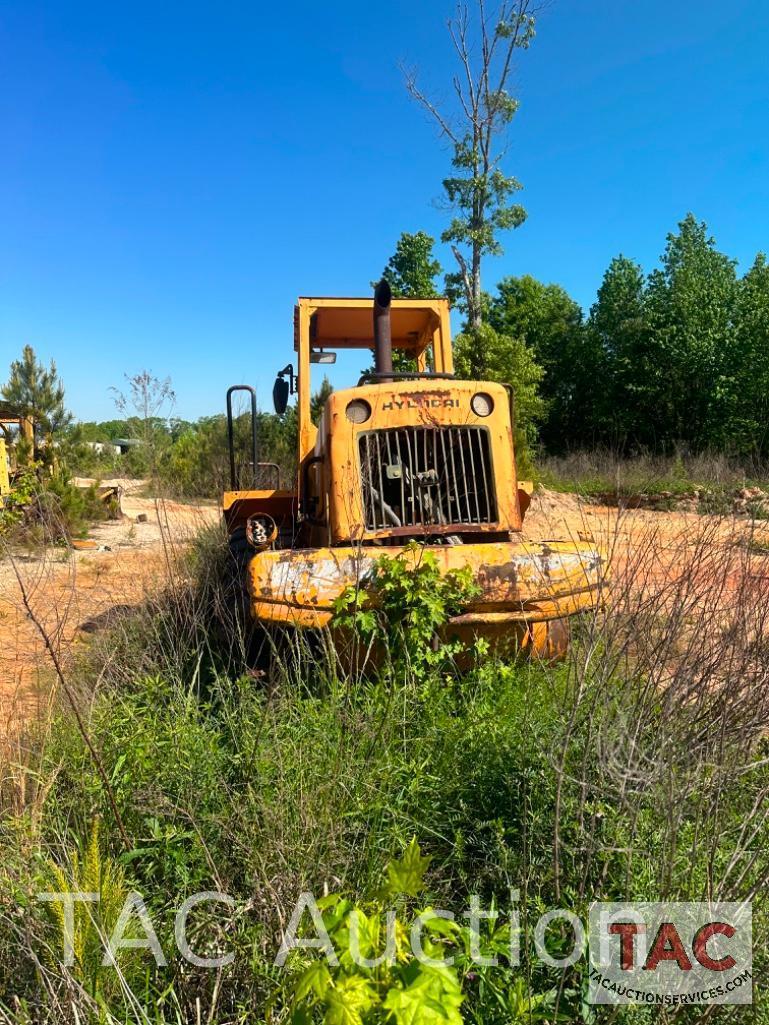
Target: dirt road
[(68, 590)]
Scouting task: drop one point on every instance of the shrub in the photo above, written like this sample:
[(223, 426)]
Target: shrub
[(48, 510), (404, 606), (634, 770)]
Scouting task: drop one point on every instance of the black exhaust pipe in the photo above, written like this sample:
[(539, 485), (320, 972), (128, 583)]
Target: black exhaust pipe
[(383, 339)]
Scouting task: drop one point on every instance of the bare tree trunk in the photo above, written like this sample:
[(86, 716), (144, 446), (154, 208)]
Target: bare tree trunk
[(475, 315), (475, 124)]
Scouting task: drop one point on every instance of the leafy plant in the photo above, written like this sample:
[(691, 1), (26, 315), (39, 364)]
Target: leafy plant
[(405, 607), (25, 487), (369, 985), (90, 873)]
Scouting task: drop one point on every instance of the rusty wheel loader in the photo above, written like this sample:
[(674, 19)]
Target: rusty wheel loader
[(403, 456), (11, 419)]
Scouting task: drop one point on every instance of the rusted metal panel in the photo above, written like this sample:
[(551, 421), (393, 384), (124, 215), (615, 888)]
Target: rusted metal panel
[(518, 580), (237, 506), (420, 406)]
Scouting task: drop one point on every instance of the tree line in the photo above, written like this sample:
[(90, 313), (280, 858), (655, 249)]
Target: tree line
[(675, 357), (678, 356)]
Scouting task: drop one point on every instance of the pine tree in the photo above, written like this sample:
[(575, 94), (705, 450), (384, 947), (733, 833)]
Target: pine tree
[(747, 427), (37, 392), (690, 303), (619, 327)]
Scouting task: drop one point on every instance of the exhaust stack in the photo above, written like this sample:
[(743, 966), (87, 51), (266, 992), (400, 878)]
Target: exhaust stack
[(383, 341)]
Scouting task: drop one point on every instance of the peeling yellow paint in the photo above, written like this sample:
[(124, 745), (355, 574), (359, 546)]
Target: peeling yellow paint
[(527, 590), (520, 581)]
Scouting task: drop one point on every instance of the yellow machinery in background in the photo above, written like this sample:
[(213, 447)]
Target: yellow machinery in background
[(12, 425), (403, 456)]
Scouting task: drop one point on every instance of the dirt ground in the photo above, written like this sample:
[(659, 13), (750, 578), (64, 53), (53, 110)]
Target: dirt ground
[(70, 591)]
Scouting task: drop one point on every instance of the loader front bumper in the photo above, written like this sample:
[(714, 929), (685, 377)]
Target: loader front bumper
[(522, 583)]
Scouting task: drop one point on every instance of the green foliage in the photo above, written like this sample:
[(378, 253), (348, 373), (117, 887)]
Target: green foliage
[(47, 509), (678, 360), (97, 873), (404, 607), (412, 269), (619, 328), (479, 192), (549, 323), (689, 369), (265, 792), (65, 510), (746, 413), (683, 352), (402, 988), (23, 492), (191, 459), (104, 431), (486, 355), (36, 391)]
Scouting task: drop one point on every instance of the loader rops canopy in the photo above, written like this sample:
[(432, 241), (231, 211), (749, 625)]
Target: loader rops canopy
[(347, 323)]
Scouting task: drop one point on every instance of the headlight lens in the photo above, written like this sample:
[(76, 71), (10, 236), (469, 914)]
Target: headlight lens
[(358, 411), (482, 404)]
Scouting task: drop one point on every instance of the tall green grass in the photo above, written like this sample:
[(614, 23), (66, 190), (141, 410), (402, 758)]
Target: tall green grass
[(713, 477), (568, 783)]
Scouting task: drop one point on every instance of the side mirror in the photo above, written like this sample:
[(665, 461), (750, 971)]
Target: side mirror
[(282, 388), (280, 393)]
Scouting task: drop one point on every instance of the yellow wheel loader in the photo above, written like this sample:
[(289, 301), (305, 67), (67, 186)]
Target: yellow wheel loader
[(403, 456), (11, 420)]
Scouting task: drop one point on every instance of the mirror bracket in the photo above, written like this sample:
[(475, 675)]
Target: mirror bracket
[(283, 388), (289, 371)]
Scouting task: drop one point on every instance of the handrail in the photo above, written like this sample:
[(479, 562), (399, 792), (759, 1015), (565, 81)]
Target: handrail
[(234, 478)]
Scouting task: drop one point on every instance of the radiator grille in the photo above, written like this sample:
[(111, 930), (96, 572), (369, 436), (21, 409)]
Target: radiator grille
[(427, 476)]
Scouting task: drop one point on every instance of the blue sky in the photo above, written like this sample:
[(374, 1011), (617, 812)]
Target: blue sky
[(174, 175)]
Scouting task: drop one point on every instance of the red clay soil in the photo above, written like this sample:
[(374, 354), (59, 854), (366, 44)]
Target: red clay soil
[(67, 590)]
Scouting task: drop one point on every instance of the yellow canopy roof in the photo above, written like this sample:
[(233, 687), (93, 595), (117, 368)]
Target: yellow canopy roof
[(349, 323)]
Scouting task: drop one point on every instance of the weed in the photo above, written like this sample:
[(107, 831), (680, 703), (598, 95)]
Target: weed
[(712, 479), (636, 769), (404, 606)]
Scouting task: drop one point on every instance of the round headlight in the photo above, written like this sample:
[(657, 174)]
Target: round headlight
[(358, 411), (482, 404)]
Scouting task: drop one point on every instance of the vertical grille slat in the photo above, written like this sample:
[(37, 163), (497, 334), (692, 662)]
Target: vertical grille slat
[(485, 492), (454, 480), (427, 476), (462, 481), (446, 476), (381, 490)]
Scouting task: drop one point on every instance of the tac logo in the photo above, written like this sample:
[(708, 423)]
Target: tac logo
[(671, 954)]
